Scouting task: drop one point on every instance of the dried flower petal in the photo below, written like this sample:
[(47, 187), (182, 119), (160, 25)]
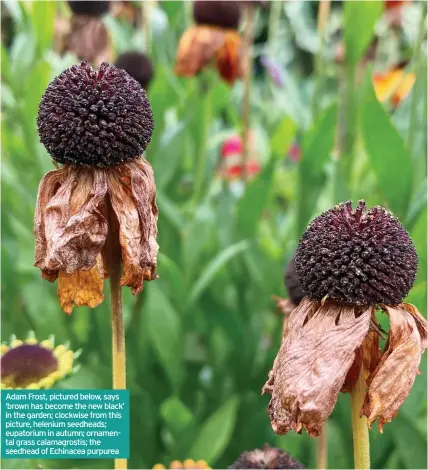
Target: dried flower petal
[(393, 378), (133, 196), (228, 57), (197, 48), (312, 363), (70, 229), (89, 39), (82, 288)]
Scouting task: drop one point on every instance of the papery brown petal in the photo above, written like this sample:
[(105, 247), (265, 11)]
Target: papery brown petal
[(89, 40), (133, 196), (196, 49), (391, 381), (74, 228), (228, 57), (312, 364), (285, 306), (47, 188), (81, 287), (353, 372)]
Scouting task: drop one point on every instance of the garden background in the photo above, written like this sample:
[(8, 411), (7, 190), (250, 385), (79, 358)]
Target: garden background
[(201, 339)]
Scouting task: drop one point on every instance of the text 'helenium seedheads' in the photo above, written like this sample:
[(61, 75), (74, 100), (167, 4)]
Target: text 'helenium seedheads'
[(95, 117), (356, 256)]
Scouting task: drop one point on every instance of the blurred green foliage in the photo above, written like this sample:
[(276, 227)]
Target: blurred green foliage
[(201, 340)]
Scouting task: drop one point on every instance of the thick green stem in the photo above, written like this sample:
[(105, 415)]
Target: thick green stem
[(322, 448), (113, 254), (200, 163), (248, 69), (359, 426)]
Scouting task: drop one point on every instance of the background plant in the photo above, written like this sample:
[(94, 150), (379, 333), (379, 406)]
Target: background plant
[(203, 337)]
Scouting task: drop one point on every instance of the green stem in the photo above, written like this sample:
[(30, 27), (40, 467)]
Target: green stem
[(418, 62), (359, 426), (113, 252), (322, 448), (203, 137), (323, 13)]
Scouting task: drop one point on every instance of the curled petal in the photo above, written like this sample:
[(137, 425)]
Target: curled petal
[(81, 287), (133, 192), (74, 228), (228, 57), (196, 49), (391, 381), (312, 363), (47, 188)]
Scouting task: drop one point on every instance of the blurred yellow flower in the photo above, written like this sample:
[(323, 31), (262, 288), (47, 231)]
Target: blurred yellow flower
[(188, 463), (31, 364), (393, 85)]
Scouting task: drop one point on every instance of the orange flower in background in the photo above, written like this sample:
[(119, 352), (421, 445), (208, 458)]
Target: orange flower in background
[(393, 85), (214, 38)]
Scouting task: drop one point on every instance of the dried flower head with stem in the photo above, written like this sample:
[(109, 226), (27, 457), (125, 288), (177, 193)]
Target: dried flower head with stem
[(350, 262), (213, 37), (97, 213), (138, 65)]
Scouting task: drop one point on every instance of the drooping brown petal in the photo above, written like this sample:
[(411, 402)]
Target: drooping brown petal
[(74, 228), (47, 189), (312, 364), (285, 306), (81, 287), (133, 196), (391, 381), (228, 57), (197, 48)]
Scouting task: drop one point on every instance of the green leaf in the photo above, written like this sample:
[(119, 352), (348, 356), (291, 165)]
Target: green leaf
[(175, 414), (360, 20), (411, 444), (163, 324), (216, 432), (387, 153), (43, 18), (255, 199), (283, 137), (214, 266), (317, 146)]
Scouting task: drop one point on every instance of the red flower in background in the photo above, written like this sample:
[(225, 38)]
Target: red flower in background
[(231, 166)]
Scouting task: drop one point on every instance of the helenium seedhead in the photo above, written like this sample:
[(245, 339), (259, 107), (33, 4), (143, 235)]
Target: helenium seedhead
[(95, 117), (89, 8), (356, 256), (225, 14), (138, 65)]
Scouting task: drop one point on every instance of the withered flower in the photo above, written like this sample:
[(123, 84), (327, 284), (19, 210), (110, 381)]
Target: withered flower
[(85, 35), (97, 123), (350, 262), (138, 65), (213, 38), (269, 457)]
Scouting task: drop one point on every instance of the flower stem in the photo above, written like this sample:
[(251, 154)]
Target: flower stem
[(360, 430), (145, 24), (322, 449), (323, 14), (118, 330), (248, 68)]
